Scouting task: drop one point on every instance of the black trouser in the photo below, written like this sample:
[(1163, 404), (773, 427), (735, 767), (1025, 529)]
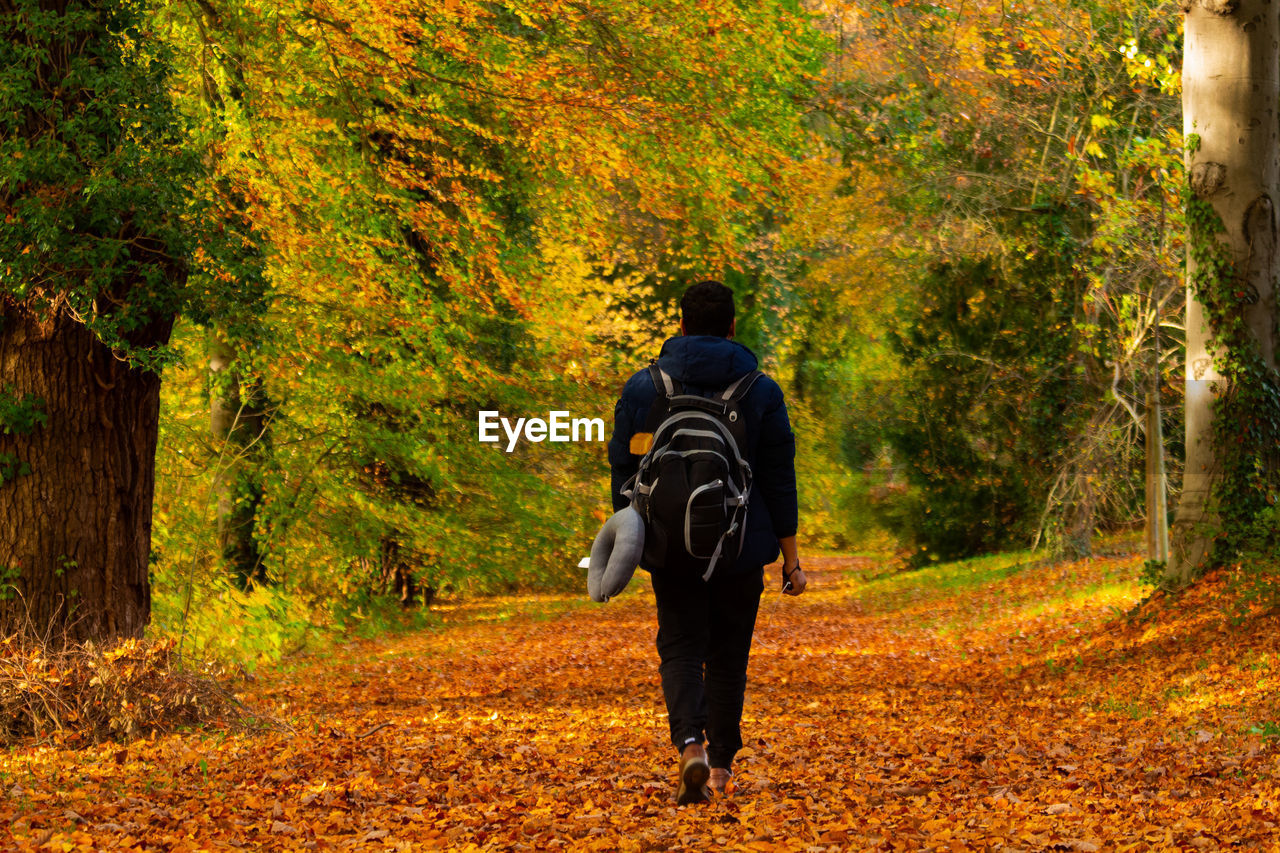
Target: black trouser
[(704, 640)]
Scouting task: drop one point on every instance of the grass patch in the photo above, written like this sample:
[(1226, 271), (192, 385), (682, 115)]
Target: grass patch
[(1002, 591), (1131, 709), (944, 578)]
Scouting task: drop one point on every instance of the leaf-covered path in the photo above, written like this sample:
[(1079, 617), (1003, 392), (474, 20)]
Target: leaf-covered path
[(991, 705)]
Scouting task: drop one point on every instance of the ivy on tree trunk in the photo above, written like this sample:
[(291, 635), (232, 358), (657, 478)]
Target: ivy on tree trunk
[(1231, 88)]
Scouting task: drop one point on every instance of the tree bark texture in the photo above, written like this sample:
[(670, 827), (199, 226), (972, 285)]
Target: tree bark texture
[(75, 537), (1231, 68)]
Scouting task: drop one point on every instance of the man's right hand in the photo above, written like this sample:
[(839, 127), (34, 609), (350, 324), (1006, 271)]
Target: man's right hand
[(793, 579)]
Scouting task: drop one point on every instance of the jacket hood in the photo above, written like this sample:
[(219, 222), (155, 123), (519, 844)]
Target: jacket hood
[(705, 360)]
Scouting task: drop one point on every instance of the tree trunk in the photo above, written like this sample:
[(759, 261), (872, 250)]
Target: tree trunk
[(1230, 95), (76, 504), (397, 574), (1157, 514), (238, 423), (1079, 518)]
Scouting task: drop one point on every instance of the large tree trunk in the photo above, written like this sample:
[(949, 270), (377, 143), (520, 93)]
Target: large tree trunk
[(1230, 75), (75, 528)]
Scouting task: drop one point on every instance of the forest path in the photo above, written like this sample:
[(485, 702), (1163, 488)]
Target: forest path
[(996, 704)]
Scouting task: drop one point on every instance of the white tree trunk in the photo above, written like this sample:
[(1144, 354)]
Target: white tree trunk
[(1230, 95)]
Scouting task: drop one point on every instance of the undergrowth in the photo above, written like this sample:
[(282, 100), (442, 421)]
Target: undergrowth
[(88, 693)]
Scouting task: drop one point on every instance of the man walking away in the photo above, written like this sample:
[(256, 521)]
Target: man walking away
[(707, 577)]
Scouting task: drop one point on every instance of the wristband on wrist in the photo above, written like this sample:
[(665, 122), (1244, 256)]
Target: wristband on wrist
[(786, 575)]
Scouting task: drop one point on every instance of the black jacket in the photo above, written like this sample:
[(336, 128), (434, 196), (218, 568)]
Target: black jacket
[(705, 365)]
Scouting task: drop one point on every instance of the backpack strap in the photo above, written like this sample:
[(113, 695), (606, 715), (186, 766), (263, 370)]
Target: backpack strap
[(666, 388), (628, 489), (669, 386), (663, 381), (731, 398), (739, 389), (715, 555)]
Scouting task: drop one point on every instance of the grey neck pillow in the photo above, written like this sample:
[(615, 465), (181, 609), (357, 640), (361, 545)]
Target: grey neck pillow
[(615, 554)]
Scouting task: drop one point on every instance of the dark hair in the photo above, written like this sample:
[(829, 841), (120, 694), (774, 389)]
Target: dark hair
[(707, 309)]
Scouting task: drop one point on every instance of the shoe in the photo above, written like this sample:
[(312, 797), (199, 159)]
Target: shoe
[(720, 780), (694, 772)]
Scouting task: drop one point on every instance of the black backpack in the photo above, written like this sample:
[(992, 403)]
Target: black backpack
[(693, 483)]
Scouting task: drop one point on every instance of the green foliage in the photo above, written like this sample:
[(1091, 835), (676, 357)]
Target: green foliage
[(220, 621), (1152, 573), (9, 576), (1253, 546), (1266, 729), (11, 468), (21, 415), (95, 174), (987, 395), (367, 614), (18, 416), (956, 133)]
